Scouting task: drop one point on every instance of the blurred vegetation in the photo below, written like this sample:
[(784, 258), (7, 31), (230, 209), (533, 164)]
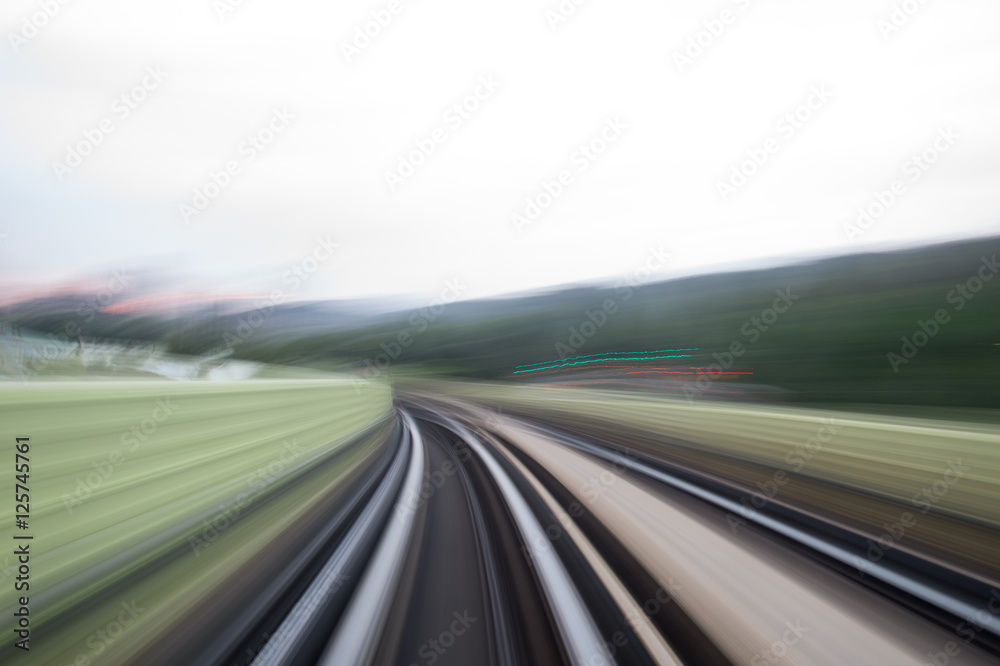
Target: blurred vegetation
[(124, 474), (832, 345)]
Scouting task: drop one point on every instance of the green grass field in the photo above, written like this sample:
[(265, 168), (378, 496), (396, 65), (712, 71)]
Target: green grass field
[(119, 469), (890, 455)]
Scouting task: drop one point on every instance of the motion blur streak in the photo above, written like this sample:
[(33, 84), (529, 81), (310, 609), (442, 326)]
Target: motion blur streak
[(483, 523), (576, 358), (625, 358)]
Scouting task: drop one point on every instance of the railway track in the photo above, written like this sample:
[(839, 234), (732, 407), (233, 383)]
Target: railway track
[(462, 536)]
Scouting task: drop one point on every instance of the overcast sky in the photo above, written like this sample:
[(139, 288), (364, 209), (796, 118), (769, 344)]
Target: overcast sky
[(665, 121)]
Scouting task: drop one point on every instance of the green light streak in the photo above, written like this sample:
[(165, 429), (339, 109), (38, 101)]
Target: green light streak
[(601, 360), (573, 358)]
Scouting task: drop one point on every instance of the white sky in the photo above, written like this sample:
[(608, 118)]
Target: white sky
[(656, 186)]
